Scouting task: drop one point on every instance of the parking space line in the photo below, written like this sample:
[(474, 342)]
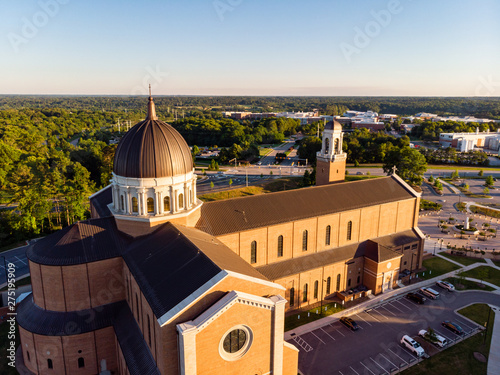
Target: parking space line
[(385, 317), (367, 368), (378, 364), (402, 304), (389, 311), (388, 360), (22, 261), (357, 373), (336, 330), (363, 319), (395, 307), (368, 312), (398, 356), (442, 334), (327, 333), (341, 372), (464, 324), (317, 337)]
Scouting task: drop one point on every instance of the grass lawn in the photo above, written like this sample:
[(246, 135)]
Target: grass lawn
[(497, 263), (485, 211), (263, 151), (437, 266), (5, 369), (459, 358), (453, 167), (468, 284), (485, 273), (463, 260), (293, 321)]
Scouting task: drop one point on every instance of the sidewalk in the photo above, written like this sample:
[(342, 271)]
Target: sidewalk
[(372, 302), (494, 357)]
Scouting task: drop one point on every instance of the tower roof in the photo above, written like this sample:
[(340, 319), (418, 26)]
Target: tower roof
[(333, 125), (152, 149)]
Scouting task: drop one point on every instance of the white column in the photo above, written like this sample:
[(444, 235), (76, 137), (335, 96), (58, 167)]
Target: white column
[(187, 348), (160, 204), (186, 199), (170, 195), (127, 198), (278, 335), (116, 203)]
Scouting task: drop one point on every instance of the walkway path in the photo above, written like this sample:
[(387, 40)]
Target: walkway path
[(491, 264), (468, 204), (494, 357), (450, 186)]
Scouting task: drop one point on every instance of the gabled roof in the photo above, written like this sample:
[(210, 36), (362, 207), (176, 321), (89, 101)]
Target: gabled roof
[(379, 253), (174, 262), (83, 242), (240, 214)]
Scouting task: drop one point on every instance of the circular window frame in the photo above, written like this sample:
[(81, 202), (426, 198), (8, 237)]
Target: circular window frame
[(244, 349)]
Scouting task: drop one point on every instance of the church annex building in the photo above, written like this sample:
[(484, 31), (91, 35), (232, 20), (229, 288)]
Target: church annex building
[(158, 282)]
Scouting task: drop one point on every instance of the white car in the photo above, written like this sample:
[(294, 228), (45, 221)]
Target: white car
[(439, 340), (412, 345), (445, 285)]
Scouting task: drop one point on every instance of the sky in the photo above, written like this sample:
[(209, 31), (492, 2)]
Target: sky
[(251, 47)]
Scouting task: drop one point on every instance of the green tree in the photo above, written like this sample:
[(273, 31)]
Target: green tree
[(481, 173), (230, 182), (486, 191), (455, 174), (410, 164), (308, 148), (211, 185), (489, 181), (431, 179)]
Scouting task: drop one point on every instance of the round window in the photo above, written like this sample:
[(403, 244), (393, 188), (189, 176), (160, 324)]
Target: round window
[(235, 343)]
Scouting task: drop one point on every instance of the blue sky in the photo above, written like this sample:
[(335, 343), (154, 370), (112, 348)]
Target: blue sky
[(251, 47)]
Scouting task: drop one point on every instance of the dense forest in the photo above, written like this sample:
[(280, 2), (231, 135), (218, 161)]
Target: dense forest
[(57, 150)]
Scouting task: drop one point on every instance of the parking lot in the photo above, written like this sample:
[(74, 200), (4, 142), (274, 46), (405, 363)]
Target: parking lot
[(375, 347)]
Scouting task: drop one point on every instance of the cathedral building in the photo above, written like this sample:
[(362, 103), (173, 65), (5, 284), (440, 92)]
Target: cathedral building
[(158, 282)]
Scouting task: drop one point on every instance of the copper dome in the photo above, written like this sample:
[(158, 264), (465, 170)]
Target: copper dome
[(152, 149), (333, 125)]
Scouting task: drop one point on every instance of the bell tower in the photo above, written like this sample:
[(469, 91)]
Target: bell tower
[(330, 164)]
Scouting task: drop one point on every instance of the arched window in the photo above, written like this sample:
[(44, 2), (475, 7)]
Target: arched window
[(304, 241), (81, 362), (50, 365), (304, 297), (336, 146), (292, 296), (327, 236), (349, 230), (349, 283), (327, 145), (316, 289), (135, 206), (338, 282), (149, 331), (280, 246), (328, 284), (122, 203), (359, 279), (166, 204), (181, 200), (28, 356), (151, 205), (253, 252)]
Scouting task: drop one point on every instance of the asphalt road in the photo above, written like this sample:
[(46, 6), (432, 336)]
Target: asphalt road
[(375, 348), (16, 256)]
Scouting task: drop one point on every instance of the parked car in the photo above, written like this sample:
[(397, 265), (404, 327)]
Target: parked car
[(453, 327), (412, 345), (445, 285), (360, 173), (428, 292), (349, 323), (416, 298), (438, 340)]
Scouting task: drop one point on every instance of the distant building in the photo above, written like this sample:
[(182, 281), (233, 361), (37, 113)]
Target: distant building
[(468, 141)]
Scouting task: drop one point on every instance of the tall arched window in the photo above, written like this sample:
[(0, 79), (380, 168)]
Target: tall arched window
[(151, 205), (137, 306), (149, 331), (336, 147), (328, 284), (50, 365), (349, 230), (122, 203), (327, 236), (28, 356), (359, 279), (327, 145), (349, 282), (181, 200), (135, 206), (304, 241), (253, 252), (338, 282), (166, 204), (304, 297), (81, 362), (292, 296), (316, 289), (280, 246)]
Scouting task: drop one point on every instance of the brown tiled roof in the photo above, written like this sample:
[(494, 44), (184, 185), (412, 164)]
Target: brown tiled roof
[(379, 253), (293, 266), (239, 214)]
